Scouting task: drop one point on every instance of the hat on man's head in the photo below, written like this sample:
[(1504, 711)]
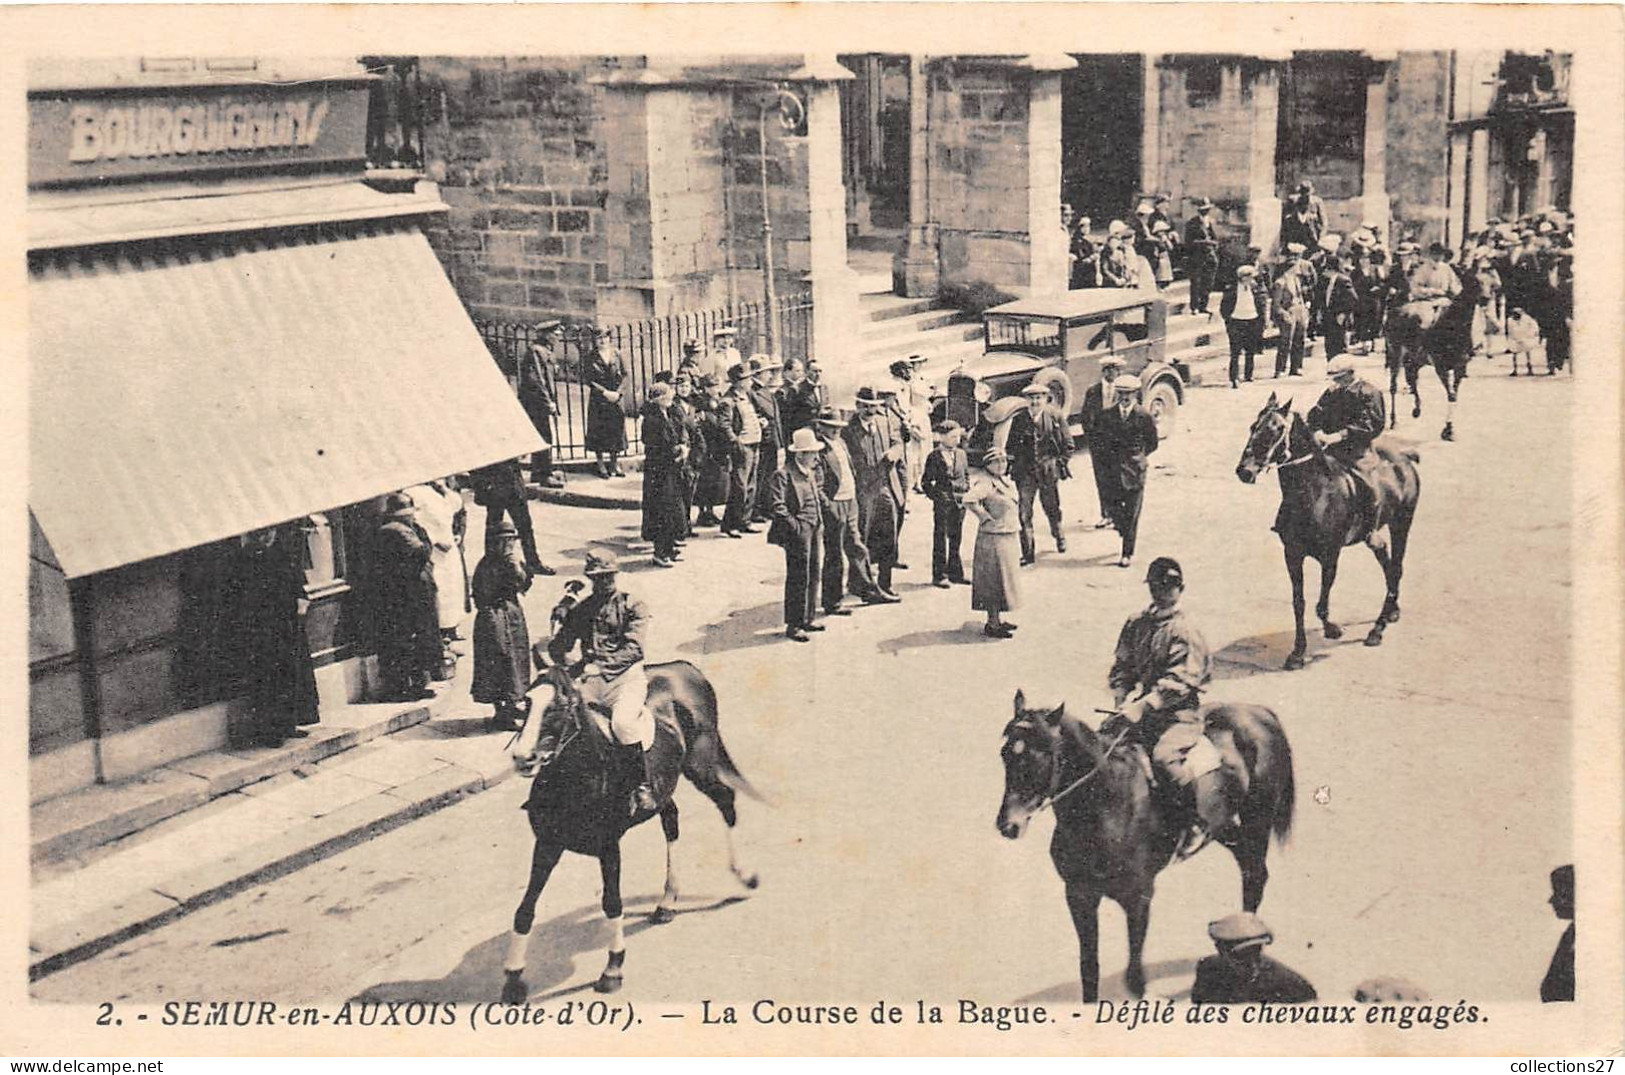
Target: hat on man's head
[(1116, 228), (829, 416), (1438, 249), (1340, 365), (1246, 270), (1330, 242), (1111, 361), (505, 529), (1143, 209), (947, 426), (710, 380), (761, 362), (1165, 569), (1294, 248), (724, 330), (601, 562), (661, 392), (1034, 389), (738, 372), (1406, 248), (1240, 930), (901, 368), (396, 503), (1204, 204), (805, 440), (867, 397), (920, 360), (664, 377), (1563, 880), (1127, 383), (691, 346), (544, 327), (1306, 187)]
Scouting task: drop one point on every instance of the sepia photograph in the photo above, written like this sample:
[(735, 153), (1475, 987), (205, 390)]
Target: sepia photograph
[(552, 539)]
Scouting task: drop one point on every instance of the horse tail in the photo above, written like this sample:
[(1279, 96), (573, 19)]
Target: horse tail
[(1286, 785), (695, 700)]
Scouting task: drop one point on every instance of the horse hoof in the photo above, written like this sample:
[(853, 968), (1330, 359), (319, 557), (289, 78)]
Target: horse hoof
[(514, 990), (1374, 638), (661, 915), (1393, 615), (1416, 412), (607, 983), (1333, 631), (1294, 662), (1448, 434)]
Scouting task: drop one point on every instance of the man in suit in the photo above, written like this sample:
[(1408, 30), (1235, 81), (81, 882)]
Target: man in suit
[(1244, 306), (1290, 303), (1202, 255), (536, 397), (765, 398), (877, 458), (500, 489), (945, 482), (1338, 305), (846, 557), (1097, 400), (745, 427), (687, 411), (1241, 973), (800, 399), (1128, 435), (797, 497), (1039, 448)]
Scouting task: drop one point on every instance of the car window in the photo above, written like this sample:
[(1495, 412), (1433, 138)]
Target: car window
[(1129, 326), (1096, 335), (1027, 333)]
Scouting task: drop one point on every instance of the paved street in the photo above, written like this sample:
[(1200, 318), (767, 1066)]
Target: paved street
[(1433, 773)]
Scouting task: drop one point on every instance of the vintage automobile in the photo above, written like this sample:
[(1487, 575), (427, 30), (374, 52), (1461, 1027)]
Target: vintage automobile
[(1058, 341)]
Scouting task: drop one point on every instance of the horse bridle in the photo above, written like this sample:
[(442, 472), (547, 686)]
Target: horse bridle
[(1049, 801), (1286, 435)]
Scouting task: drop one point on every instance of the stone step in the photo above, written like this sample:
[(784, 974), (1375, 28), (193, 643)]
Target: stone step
[(874, 283), (927, 342), (888, 306), (899, 328)]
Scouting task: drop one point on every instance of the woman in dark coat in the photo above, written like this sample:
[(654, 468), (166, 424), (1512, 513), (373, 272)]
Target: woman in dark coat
[(605, 373), (664, 450), (501, 636), (716, 428), (408, 613), (267, 590)]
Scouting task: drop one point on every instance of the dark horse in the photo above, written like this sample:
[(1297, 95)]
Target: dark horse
[(1320, 512), (1423, 333), (1114, 830), (580, 799)]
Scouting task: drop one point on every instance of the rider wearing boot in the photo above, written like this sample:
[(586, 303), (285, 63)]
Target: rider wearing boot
[(609, 625), (1161, 666), (1434, 281), (1349, 416)]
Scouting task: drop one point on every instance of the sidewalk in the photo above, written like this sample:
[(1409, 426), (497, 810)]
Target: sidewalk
[(114, 862)]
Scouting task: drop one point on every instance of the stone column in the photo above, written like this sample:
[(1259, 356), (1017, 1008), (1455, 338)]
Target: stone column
[(1263, 206), (1151, 125), (915, 270), (1048, 246), (1374, 202), (833, 283), (1478, 179)]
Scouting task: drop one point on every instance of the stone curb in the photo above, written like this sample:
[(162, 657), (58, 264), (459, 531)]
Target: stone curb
[(571, 499), (314, 840)]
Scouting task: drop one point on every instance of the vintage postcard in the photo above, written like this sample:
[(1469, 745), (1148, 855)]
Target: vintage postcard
[(1064, 529)]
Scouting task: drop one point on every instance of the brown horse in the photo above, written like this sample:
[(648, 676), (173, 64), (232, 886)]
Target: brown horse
[(1320, 512), (1438, 334), (580, 798), (1115, 831)]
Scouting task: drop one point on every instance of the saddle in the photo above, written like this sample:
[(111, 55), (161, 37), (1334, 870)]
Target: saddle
[(665, 760)]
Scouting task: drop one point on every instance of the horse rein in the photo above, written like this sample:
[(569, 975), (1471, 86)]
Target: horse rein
[(1051, 800), (1271, 461)]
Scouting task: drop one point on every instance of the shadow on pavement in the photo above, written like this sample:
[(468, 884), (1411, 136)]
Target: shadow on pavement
[(1112, 988), (744, 629), (965, 634), (556, 947), (1261, 654)]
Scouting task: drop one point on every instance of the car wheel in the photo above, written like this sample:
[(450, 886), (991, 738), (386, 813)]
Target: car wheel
[(1059, 386), (1162, 403)]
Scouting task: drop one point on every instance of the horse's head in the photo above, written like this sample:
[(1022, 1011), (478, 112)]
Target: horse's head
[(1267, 441), (1031, 764), (546, 731)]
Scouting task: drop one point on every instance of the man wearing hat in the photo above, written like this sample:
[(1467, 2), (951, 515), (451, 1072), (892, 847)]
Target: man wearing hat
[(1039, 447), (1290, 303), (500, 489), (846, 557), (695, 362), (1099, 398), (1201, 255), (765, 399), (408, 621), (1159, 215), (901, 430), (1241, 973), (1338, 304), (610, 626), (745, 427), (797, 496), (685, 409), (715, 416), (1244, 306), (1116, 264), (877, 458), (800, 399), (1434, 281), (1128, 434), (1350, 414), (665, 451), (1303, 217), (724, 355), (945, 481), (536, 397), (1158, 672), (1083, 256)]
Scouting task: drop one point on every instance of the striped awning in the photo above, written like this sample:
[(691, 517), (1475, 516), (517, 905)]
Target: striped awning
[(188, 392)]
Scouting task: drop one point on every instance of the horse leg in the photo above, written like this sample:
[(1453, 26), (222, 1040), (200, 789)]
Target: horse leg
[(1294, 570), (1251, 851), (1399, 535), (609, 866), (666, 910), (1393, 392), (1413, 367), (1380, 544), (1084, 903), (1139, 921), (1451, 380), (543, 858), (1323, 607), (721, 794)]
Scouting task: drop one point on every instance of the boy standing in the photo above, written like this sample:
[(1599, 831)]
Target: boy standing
[(945, 481)]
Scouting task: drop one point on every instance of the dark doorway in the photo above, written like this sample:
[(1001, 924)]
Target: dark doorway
[(1101, 126), (1320, 133), (875, 135)]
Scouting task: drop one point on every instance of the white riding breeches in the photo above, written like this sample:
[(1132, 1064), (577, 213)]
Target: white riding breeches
[(630, 721)]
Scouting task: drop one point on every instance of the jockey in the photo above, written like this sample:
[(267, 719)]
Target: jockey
[(1434, 281), (1162, 661), (609, 625), (1349, 416)]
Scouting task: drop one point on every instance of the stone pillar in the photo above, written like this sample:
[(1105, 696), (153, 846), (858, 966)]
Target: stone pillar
[(833, 283), (1263, 206), (1374, 202), (1456, 189), (1151, 125), (915, 270), (1048, 269), (1478, 179)]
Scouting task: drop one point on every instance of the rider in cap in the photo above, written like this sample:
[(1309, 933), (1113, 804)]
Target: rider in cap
[(1157, 676), (1349, 416), (610, 627), (1241, 973)]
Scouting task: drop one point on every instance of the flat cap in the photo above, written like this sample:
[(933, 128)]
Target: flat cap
[(724, 330), (1127, 383), (1295, 248), (1111, 360), (1165, 569), (1240, 929), (1034, 389), (829, 416), (601, 562), (1340, 365)]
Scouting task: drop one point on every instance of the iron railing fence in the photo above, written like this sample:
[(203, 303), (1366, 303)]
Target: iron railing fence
[(646, 347)]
